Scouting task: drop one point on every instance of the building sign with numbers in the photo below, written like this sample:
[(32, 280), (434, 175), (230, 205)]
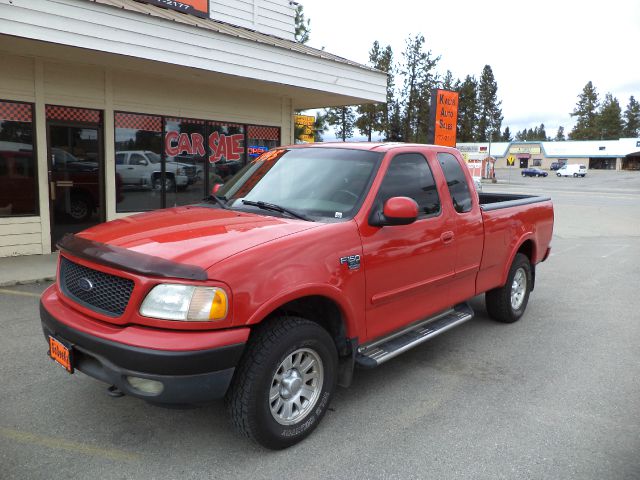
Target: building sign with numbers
[(199, 8)]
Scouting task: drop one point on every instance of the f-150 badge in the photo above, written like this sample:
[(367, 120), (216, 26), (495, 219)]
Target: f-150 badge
[(352, 261)]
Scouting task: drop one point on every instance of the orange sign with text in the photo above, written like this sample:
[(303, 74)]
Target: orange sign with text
[(444, 117)]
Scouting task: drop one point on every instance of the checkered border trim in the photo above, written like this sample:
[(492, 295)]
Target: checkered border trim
[(186, 120), (225, 124), (16, 112), (263, 133), (72, 114), (149, 123)]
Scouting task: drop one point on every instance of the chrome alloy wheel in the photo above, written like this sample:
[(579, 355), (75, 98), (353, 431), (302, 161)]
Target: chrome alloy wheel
[(518, 288), (296, 386)]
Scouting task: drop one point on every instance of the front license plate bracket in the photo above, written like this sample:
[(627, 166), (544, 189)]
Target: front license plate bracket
[(61, 352)]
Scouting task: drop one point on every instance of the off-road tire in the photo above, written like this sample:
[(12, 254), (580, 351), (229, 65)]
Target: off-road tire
[(269, 346), (499, 300)]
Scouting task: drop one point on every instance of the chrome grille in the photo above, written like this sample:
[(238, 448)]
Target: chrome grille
[(99, 291)]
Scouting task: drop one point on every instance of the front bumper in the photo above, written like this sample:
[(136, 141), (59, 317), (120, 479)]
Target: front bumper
[(188, 377)]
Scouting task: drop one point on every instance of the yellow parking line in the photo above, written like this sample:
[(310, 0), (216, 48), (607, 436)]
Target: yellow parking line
[(19, 293), (62, 444)]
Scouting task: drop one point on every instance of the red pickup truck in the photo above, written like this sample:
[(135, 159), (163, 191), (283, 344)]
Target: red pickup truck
[(310, 261)]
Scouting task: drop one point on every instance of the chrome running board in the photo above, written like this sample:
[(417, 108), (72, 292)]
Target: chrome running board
[(377, 352)]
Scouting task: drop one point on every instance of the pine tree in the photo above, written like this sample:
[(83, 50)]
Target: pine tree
[(542, 134), (586, 111), (374, 117), (489, 111), (319, 126), (560, 134), (394, 129), (506, 135), (416, 93), (610, 118), (343, 119), (302, 26), (467, 109), (449, 83), (632, 119)]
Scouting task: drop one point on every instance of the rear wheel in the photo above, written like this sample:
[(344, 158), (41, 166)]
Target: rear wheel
[(508, 303), (284, 383)]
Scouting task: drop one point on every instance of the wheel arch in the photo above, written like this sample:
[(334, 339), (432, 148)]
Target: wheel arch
[(527, 247)]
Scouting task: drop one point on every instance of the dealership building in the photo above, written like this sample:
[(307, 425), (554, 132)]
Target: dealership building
[(110, 107), (622, 154)]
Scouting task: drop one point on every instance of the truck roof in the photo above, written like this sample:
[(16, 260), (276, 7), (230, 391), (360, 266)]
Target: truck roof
[(372, 146)]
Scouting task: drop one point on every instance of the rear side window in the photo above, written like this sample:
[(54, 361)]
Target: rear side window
[(409, 175), (456, 181)]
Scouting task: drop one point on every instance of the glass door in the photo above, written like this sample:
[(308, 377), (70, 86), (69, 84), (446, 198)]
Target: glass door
[(75, 178)]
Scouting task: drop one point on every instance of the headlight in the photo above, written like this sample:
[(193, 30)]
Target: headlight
[(179, 171), (185, 303)]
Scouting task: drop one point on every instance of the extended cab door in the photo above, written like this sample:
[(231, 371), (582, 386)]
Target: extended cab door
[(408, 267), (468, 230)]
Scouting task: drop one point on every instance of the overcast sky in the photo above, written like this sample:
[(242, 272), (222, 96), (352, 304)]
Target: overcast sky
[(542, 52)]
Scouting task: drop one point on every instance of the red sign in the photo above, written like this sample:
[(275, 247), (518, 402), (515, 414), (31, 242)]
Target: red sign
[(199, 8), (228, 146)]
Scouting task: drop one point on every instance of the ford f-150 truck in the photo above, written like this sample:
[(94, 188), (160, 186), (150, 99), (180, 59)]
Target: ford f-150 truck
[(312, 260)]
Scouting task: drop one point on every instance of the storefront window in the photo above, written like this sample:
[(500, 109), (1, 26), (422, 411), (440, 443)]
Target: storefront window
[(226, 151), (138, 162), (18, 186), (261, 139), (185, 149)]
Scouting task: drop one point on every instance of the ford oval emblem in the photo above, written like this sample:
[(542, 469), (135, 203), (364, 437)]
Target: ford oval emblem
[(85, 284)]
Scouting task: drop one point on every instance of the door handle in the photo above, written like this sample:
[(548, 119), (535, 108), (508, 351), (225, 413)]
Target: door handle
[(447, 237), (52, 189)]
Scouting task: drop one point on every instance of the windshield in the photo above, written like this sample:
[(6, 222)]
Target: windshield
[(315, 182)]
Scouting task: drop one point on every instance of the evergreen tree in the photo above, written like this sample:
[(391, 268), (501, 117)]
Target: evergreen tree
[(489, 111), (449, 83), (385, 64), (467, 109), (542, 134), (374, 117), (416, 92), (302, 26), (632, 119), (343, 119), (560, 134), (586, 112), (506, 135), (394, 129), (610, 118), (319, 125)]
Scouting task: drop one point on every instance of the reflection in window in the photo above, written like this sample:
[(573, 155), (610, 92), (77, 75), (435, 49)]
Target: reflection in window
[(261, 139), (456, 181), (409, 175), (18, 189), (138, 169)]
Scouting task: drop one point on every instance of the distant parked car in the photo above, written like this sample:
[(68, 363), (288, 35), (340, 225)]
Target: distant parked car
[(534, 172), (572, 170), (556, 165)]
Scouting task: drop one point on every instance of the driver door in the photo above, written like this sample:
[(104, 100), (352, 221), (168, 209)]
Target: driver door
[(408, 268)]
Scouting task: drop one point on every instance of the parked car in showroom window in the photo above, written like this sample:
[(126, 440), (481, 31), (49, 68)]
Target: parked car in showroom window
[(534, 172), (572, 170)]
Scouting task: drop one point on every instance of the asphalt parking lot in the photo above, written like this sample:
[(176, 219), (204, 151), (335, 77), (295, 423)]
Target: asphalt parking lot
[(555, 395)]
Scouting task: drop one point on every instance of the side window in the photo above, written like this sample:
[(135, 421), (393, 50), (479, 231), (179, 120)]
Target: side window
[(119, 158), (409, 175), (456, 181), (137, 159)]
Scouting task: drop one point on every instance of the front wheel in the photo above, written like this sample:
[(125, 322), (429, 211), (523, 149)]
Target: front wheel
[(284, 383), (558, 174), (508, 303)]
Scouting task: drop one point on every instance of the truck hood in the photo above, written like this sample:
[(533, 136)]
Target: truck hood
[(194, 235)]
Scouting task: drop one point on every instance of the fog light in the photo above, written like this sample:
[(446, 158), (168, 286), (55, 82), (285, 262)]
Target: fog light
[(152, 387)]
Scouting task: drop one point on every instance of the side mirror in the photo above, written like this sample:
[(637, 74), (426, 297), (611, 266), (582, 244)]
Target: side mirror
[(396, 211)]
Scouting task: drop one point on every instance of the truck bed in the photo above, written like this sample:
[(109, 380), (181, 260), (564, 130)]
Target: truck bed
[(495, 201)]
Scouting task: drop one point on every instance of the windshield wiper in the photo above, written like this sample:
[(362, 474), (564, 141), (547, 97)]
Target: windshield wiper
[(219, 202), (276, 208)]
